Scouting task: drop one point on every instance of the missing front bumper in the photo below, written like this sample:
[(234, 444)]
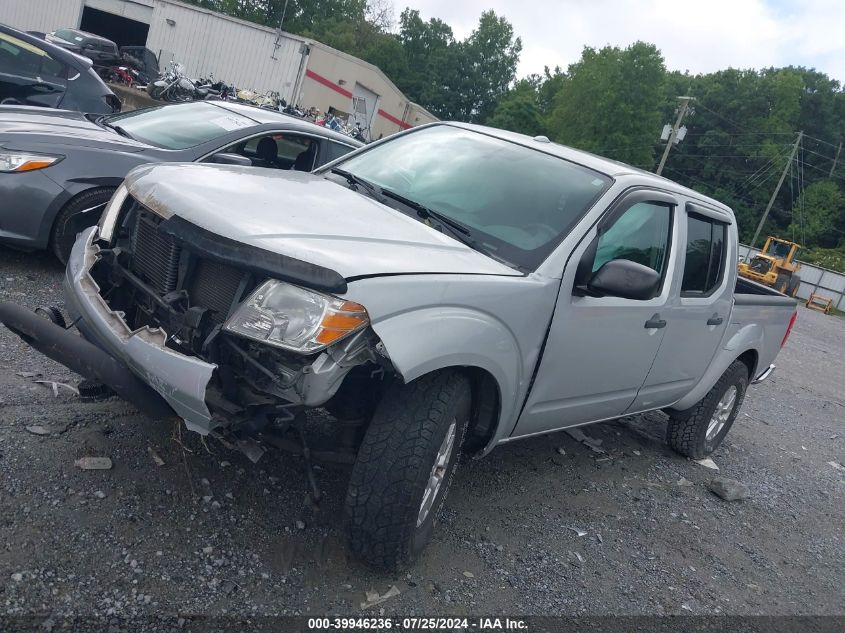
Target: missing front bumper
[(180, 380)]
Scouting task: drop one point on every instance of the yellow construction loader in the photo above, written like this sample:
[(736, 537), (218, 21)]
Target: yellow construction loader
[(775, 266)]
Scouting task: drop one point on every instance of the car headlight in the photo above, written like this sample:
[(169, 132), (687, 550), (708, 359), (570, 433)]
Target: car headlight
[(24, 161), (110, 213), (294, 318)]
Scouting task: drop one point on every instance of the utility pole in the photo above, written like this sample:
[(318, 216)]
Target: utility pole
[(775, 193), (278, 43), (683, 110), (839, 149)]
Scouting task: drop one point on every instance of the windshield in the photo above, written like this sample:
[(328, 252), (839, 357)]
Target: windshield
[(69, 36), (779, 249), (518, 203), (179, 126)]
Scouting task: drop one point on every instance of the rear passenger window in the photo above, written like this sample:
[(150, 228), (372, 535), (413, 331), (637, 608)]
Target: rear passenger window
[(705, 259)]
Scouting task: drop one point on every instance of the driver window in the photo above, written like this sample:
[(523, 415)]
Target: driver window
[(278, 151), (641, 235)]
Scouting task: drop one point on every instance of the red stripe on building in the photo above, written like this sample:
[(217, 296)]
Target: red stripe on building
[(393, 119), (328, 83)]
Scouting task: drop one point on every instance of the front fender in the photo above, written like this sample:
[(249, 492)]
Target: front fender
[(425, 340)]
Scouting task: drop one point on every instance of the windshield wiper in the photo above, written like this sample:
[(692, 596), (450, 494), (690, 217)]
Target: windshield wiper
[(458, 230), (118, 129), (426, 213), (355, 181)]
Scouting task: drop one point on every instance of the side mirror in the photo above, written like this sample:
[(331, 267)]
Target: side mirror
[(231, 159), (624, 278)]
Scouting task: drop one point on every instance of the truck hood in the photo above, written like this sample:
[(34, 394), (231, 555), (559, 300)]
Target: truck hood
[(29, 124), (304, 216)]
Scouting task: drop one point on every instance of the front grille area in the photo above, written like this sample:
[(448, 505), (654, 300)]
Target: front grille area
[(181, 277), (760, 265), (213, 285), (155, 255)]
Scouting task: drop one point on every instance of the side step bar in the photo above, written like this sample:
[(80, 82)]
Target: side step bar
[(85, 358)]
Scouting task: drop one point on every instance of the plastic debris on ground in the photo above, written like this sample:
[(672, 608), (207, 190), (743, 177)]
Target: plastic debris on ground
[(707, 463), (373, 597), (155, 457), (55, 386), (93, 463), (594, 444), (47, 429)]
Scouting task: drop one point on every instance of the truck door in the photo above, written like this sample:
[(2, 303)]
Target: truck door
[(699, 311), (599, 349)]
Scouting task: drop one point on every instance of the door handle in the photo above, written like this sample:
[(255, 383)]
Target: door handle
[(42, 88), (655, 322), (715, 320)]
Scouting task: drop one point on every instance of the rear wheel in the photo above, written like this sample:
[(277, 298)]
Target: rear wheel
[(81, 212), (698, 431), (782, 282), (404, 468)]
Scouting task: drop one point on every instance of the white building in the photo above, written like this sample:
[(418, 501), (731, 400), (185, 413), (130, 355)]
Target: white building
[(250, 56)]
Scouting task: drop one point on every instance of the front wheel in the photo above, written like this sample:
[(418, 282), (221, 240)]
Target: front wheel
[(794, 284), (699, 430), (81, 212), (405, 466)]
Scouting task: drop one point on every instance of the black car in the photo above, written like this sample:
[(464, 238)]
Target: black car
[(100, 50), (35, 72)]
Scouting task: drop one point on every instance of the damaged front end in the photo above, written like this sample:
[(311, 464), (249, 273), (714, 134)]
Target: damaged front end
[(210, 324)]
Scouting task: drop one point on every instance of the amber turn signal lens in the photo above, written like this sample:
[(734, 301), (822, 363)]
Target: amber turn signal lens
[(32, 165), (338, 322)]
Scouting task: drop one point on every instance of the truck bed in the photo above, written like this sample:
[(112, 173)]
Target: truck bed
[(749, 292), (766, 308)]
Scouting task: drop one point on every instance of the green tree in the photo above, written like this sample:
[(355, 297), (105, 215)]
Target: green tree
[(816, 213), (489, 57), (610, 103), (519, 110)]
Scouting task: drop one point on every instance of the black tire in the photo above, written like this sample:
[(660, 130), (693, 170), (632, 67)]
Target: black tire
[(387, 528), (782, 282), (794, 284), (687, 430), (81, 212)]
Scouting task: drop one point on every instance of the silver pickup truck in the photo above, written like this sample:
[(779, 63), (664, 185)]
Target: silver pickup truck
[(445, 290)]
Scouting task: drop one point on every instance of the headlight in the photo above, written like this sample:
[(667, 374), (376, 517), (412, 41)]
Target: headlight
[(294, 318), (23, 161), (110, 213)]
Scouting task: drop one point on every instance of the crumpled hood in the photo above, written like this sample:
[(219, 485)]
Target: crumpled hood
[(306, 217), (56, 128)]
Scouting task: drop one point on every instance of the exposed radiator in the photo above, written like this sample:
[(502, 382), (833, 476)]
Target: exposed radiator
[(213, 285), (155, 255)]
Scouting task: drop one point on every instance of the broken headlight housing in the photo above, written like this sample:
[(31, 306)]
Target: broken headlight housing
[(296, 319)]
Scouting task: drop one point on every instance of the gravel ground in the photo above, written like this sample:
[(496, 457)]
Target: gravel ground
[(543, 526)]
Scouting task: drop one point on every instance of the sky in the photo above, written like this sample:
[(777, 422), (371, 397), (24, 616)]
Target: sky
[(699, 36)]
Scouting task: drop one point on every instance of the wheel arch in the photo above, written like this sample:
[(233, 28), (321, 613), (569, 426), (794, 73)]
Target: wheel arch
[(473, 342), (74, 189)]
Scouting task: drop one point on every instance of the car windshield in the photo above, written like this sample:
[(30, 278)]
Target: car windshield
[(179, 126), (518, 203), (69, 36)]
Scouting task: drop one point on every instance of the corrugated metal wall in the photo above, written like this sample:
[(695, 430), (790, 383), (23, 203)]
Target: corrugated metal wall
[(40, 15), (235, 51)]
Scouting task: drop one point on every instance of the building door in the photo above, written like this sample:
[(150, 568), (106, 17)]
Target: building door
[(121, 30), (364, 105)]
